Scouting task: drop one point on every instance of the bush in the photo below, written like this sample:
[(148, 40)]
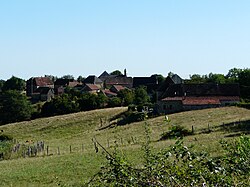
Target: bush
[(130, 117), (176, 131), (179, 165), (114, 102), (244, 105), (5, 146), (4, 137)]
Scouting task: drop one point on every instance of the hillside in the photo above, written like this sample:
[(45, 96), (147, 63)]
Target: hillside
[(72, 168)]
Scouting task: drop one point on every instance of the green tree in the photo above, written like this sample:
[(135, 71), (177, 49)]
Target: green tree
[(89, 101), (63, 104), (1, 84), (127, 96), (233, 74), (80, 79), (14, 107), (216, 78), (196, 79), (114, 102), (67, 77), (141, 96), (244, 81), (116, 72), (14, 83), (160, 78)]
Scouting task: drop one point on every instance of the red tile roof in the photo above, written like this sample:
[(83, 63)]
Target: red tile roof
[(109, 93), (43, 81), (118, 87), (215, 100), (92, 87), (201, 101), (172, 99)]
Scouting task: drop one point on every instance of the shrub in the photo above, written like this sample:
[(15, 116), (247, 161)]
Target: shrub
[(179, 165), (176, 131), (5, 146), (4, 137), (130, 117)]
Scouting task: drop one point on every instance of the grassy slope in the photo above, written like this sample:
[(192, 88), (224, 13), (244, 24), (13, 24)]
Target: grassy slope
[(72, 169)]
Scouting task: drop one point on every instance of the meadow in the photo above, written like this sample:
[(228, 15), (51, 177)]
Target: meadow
[(72, 158)]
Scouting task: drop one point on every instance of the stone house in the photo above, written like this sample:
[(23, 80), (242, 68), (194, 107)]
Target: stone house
[(43, 94), (181, 97), (122, 80), (61, 84), (35, 82), (92, 79), (90, 88)]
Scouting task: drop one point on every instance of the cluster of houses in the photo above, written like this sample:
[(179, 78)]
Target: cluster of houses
[(172, 95)]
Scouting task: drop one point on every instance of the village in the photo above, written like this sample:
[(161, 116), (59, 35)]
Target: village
[(171, 94)]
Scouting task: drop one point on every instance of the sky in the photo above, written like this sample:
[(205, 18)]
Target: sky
[(86, 37)]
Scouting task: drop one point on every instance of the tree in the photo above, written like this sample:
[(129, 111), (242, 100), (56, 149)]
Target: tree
[(170, 74), (1, 84), (14, 107), (116, 72), (80, 79), (127, 96), (141, 96), (114, 102), (244, 81), (67, 77), (14, 83), (216, 78), (160, 78), (88, 101), (196, 79), (63, 104)]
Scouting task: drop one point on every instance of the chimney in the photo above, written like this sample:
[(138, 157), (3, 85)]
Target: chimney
[(125, 72)]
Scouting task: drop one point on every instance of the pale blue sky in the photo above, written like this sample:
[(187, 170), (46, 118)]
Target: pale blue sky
[(82, 37)]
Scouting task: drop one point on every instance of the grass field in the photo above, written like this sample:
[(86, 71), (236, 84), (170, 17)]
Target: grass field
[(77, 131)]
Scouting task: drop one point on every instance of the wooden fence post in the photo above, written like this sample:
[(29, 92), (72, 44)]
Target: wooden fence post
[(121, 141), (192, 129), (47, 150), (133, 139), (70, 150)]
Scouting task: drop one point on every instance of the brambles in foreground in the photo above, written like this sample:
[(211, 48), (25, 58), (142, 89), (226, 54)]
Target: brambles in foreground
[(179, 165)]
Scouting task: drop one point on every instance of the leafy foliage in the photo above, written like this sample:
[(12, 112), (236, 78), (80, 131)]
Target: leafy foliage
[(14, 83), (179, 165), (127, 96), (141, 96), (116, 72), (5, 146), (14, 107), (89, 101), (235, 75), (4, 137), (63, 104), (1, 84), (176, 131), (67, 77), (114, 102)]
